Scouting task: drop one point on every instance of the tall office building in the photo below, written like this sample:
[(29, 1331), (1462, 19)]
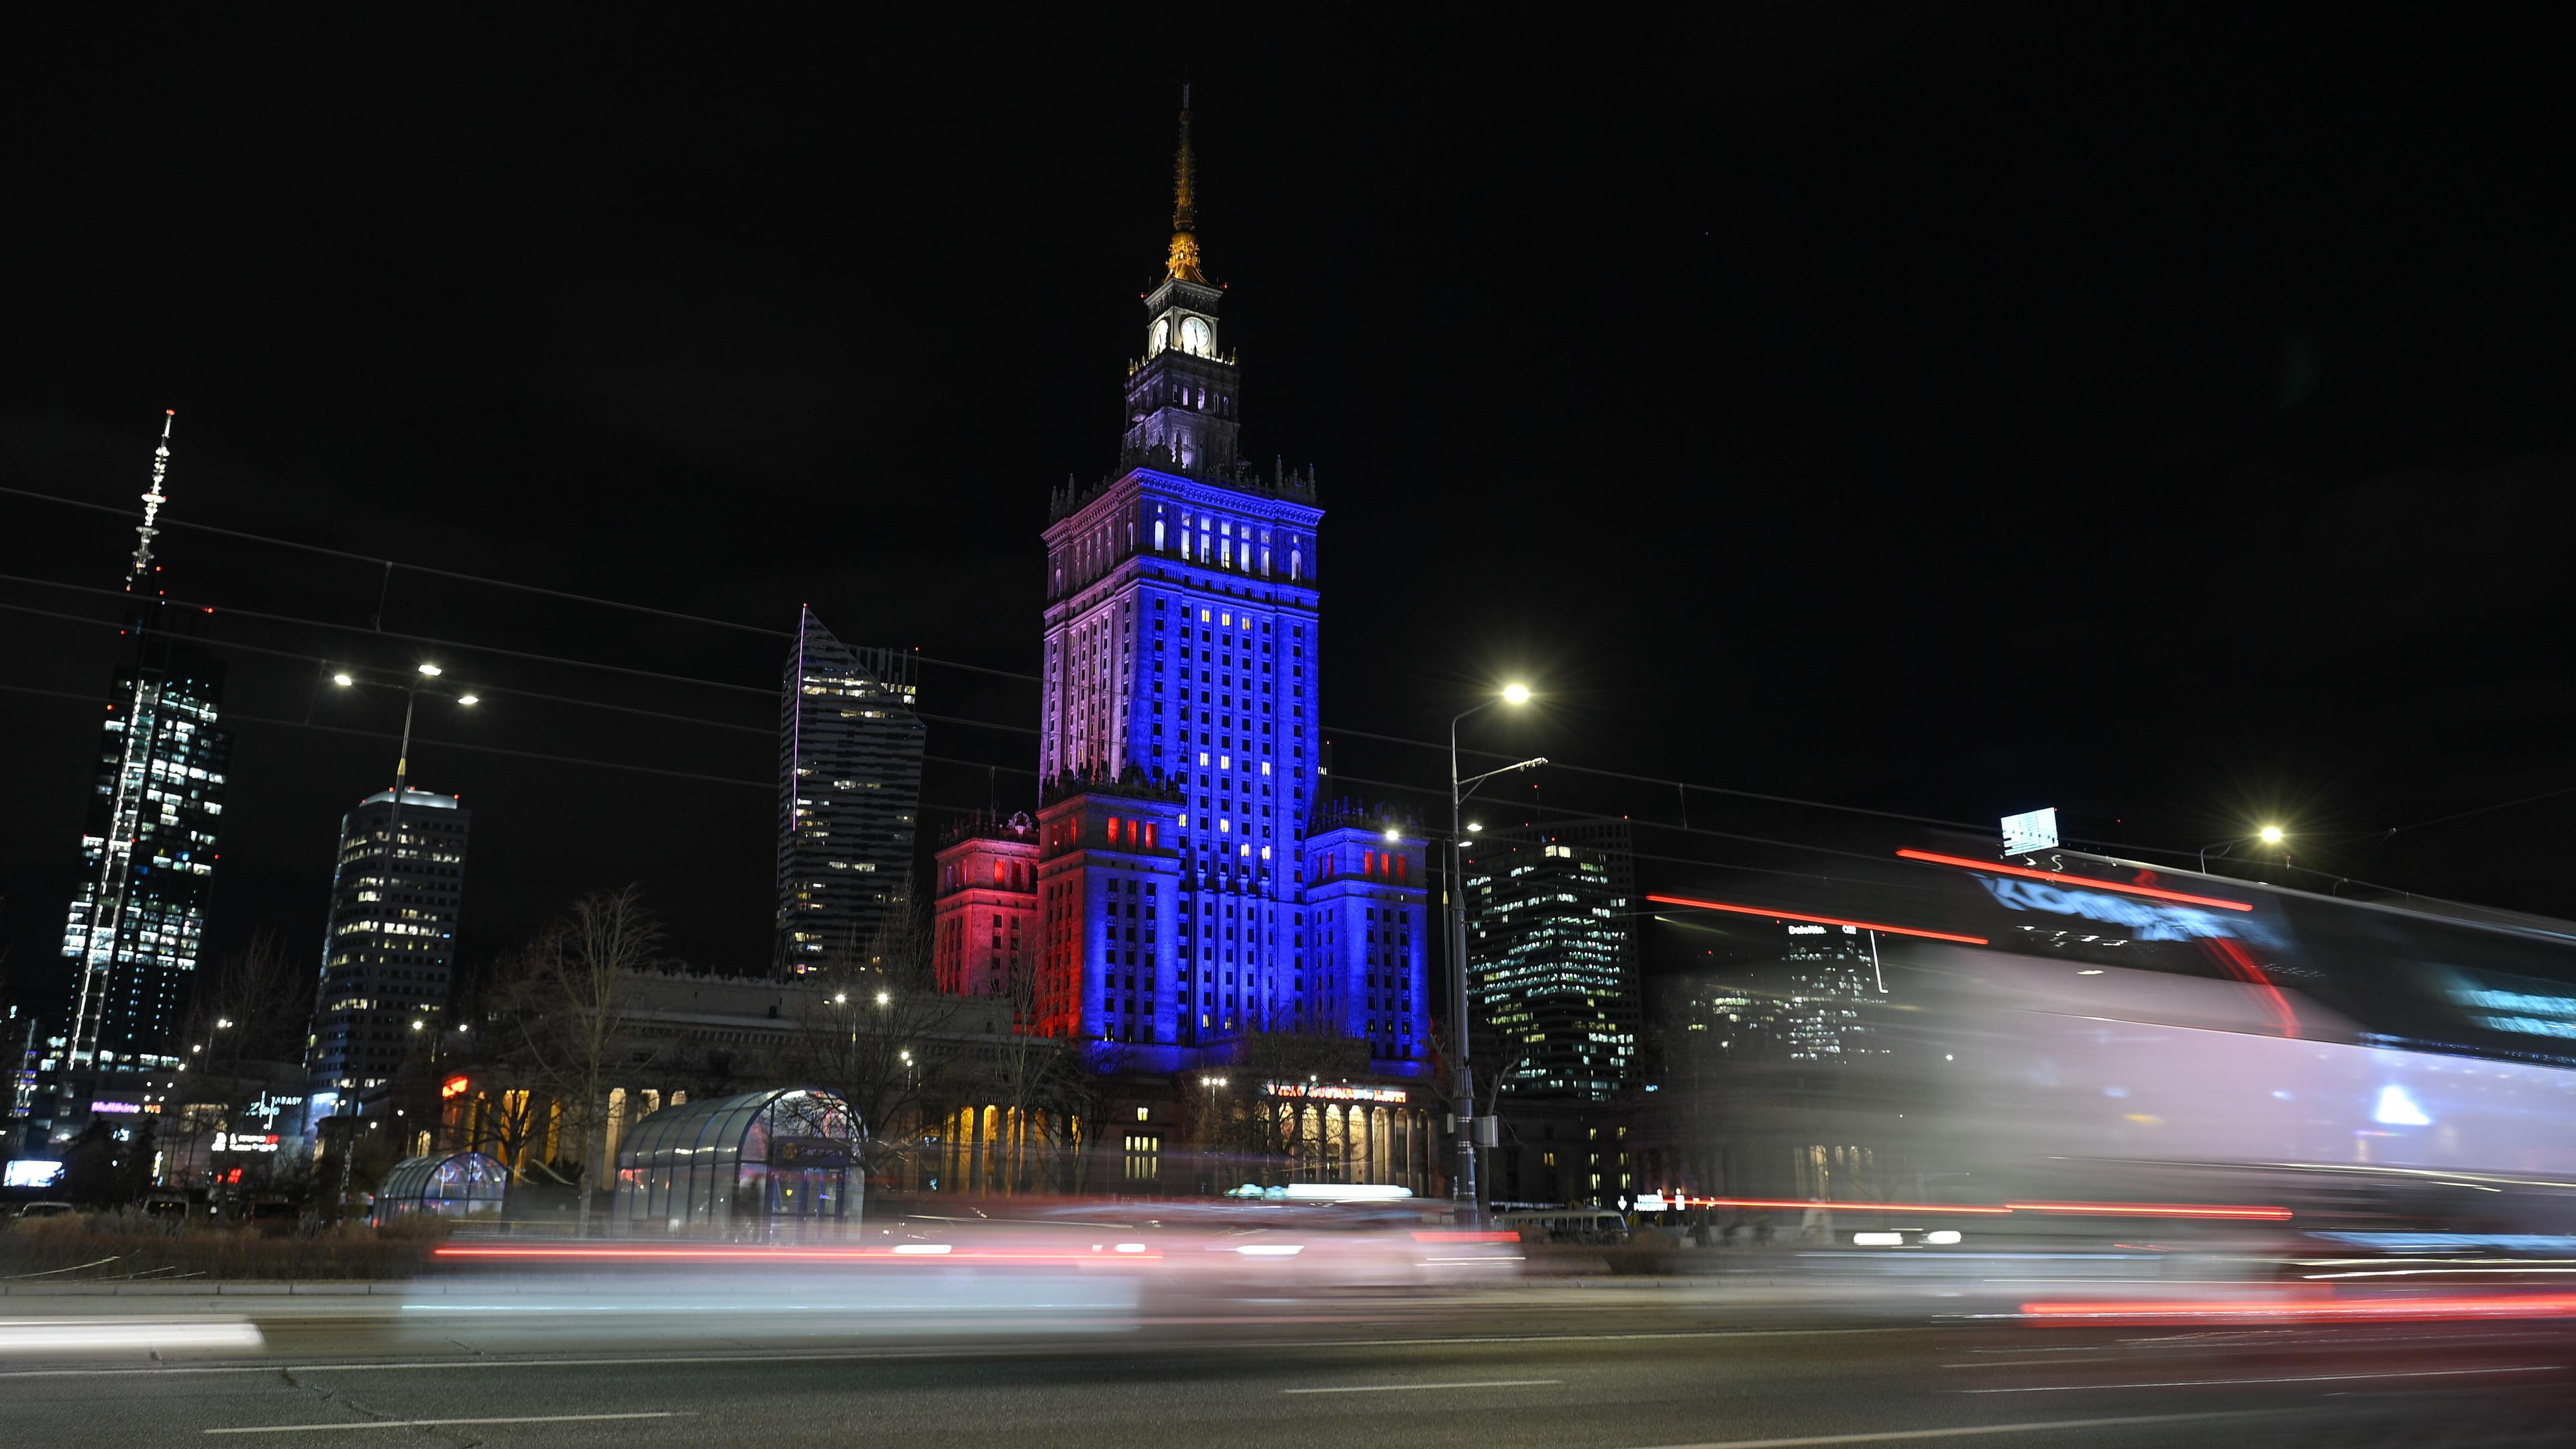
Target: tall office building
[(1190, 886), (389, 953), (148, 851), (1552, 955), (849, 794)]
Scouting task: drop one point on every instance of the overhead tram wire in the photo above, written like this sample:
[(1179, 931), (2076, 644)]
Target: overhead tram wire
[(219, 612), (1682, 786), (235, 716), (764, 731), (1571, 816), (388, 563), (462, 577)]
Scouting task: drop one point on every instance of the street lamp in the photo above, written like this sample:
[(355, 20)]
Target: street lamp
[(1463, 1186), (393, 849), (2269, 835)]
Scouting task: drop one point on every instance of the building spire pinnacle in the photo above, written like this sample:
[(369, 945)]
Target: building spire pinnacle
[(152, 501), (1183, 264)]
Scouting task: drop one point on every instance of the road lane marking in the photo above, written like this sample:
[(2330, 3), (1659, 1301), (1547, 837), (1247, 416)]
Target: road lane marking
[(2015, 1365), (960, 1351), (427, 1423), (35, 1336), (1890, 1436), (1407, 1388), (2541, 1368)]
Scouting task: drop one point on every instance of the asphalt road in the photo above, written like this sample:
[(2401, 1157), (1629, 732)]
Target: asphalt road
[(1525, 1369)]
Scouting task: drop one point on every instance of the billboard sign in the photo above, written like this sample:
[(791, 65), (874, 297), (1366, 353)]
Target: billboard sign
[(2030, 832), (30, 1172)]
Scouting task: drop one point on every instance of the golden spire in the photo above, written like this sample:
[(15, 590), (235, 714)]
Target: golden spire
[(1183, 264)]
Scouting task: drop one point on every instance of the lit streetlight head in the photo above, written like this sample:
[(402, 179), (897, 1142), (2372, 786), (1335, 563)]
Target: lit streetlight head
[(432, 670), (1475, 825), (2272, 835), (883, 998), (342, 680), (1516, 694), (840, 998), (469, 699), (416, 1025), (1393, 834)]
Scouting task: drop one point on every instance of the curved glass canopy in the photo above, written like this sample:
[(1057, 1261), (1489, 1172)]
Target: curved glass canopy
[(452, 1184), (779, 1163)]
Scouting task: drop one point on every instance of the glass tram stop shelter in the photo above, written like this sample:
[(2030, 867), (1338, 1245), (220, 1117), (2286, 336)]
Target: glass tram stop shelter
[(449, 1185), (764, 1166)]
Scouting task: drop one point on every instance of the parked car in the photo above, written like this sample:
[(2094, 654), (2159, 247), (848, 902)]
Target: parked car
[(46, 1210)]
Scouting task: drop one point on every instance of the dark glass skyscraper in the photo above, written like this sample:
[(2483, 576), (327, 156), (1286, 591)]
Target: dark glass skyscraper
[(148, 851), (389, 955), (1552, 955), (849, 794)]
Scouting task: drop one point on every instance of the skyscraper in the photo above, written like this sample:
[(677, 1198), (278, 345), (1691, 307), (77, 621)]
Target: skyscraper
[(1190, 887), (148, 852), (1552, 955), (849, 794), (389, 954)]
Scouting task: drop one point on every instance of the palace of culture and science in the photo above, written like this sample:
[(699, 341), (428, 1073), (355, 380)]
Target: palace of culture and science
[(1187, 880)]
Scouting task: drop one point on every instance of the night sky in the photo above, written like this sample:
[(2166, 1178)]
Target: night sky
[(2164, 417)]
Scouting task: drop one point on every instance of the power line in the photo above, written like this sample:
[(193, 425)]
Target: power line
[(390, 564), (1682, 787), (2481, 810), (1573, 815), (398, 564), (217, 611), (1679, 785), (235, 716)]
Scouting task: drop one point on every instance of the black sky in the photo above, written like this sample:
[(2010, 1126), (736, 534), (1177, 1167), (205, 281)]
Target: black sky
[(2160, 414)]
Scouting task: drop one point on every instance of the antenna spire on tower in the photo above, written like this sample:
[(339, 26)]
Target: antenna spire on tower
[(1183, 264), (152, 501)]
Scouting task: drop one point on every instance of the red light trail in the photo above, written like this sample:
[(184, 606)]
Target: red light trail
[(1819, 920)]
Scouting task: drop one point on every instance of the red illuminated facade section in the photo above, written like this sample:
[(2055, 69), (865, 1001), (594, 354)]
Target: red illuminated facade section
[(985, 922)]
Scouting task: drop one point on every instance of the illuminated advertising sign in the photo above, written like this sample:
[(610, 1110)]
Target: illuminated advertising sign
[(122, 1108), (245, 1142), (267, 1107), (2145, 920), (1334, 1093), (808, 1152), (2516, 1004), (2030, 832), (30, 1172), (453, 1088)]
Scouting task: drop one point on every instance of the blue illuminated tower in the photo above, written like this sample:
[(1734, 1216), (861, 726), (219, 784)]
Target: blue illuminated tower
[(1178, 732)]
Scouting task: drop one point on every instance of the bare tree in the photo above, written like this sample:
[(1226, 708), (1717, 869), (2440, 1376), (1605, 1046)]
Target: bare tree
[(250, 1007), (576, 995), (1046, 1087), (876, 1033)]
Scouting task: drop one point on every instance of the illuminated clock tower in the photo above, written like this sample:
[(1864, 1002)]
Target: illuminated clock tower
[(1192, 884), (1181, 400)]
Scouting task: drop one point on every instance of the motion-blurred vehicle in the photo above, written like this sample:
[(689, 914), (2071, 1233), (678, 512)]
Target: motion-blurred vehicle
[(1598, 1227)]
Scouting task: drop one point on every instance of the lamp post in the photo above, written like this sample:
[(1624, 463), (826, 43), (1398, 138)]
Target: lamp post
[(410, 688), (1463, 1182), (2268, 835)]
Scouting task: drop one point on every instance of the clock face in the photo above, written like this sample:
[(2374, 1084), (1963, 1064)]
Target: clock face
[(1156, 340), (1194, 336)]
